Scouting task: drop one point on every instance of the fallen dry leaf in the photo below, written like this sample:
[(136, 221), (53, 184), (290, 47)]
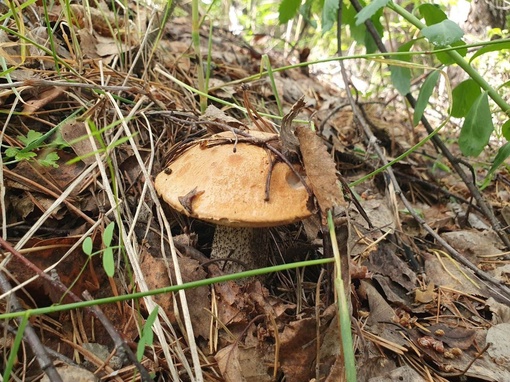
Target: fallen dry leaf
[(320, 170), (76, 135), (500, 312), (454, 337), (43, 99), (156, 276), (74, 270), (289, 141), (298, 349), (243, 364), (380, 310), (213, 114), (385, 262)]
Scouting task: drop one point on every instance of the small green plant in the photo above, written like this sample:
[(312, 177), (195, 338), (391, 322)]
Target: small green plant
[(147, 335), (33, 142), (107, 251)]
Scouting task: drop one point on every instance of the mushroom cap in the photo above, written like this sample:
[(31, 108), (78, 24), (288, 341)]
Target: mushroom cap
[(216, 184)]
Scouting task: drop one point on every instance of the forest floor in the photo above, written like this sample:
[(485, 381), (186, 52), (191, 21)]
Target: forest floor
[(88, 128)]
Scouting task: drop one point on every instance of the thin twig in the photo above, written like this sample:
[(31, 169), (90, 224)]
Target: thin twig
[(272, 162), (117, 339)]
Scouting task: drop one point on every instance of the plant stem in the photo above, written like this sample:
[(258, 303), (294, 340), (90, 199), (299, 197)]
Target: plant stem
[(169, 289), (195, 38), (267, 62), (344, 317)]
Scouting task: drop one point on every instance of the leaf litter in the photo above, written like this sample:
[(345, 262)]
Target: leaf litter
[(417, 312)]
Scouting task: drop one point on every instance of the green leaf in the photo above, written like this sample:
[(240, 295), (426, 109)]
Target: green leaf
[(491, 48), (507, 84), (432, 13), (505, 129), (11, 152), (32, 136), (306, 12), (359, 32), (370, 10), (108, 262), (288, 10), (401, 79), (22, 155), (86, 246), (59, 142), (329, 14), (445, 58), (370, 45), (108, 234), (477, 127), (501, 156), (50, 160), (147, 335), (443, 34), (349, 13), (423, 98), (463, 97), (441, 166), (400, 75)]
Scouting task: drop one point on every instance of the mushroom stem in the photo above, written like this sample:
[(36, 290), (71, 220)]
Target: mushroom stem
[(249, 246)]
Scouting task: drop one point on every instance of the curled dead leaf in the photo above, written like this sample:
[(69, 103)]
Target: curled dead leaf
[(320, 170)]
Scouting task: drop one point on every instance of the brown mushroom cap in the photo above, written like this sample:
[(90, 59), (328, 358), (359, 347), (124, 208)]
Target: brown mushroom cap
[(224, 187)]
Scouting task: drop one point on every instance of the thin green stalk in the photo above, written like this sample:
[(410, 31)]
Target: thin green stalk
[(344, 317), (459, 60), (170, 289), (51, 38), (265, 59), (195, 38), (17, 17), (209, 58), (400, 157), (74, 40), (13, 355)]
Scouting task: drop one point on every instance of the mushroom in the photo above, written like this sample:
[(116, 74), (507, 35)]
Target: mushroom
[(222, 180)]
